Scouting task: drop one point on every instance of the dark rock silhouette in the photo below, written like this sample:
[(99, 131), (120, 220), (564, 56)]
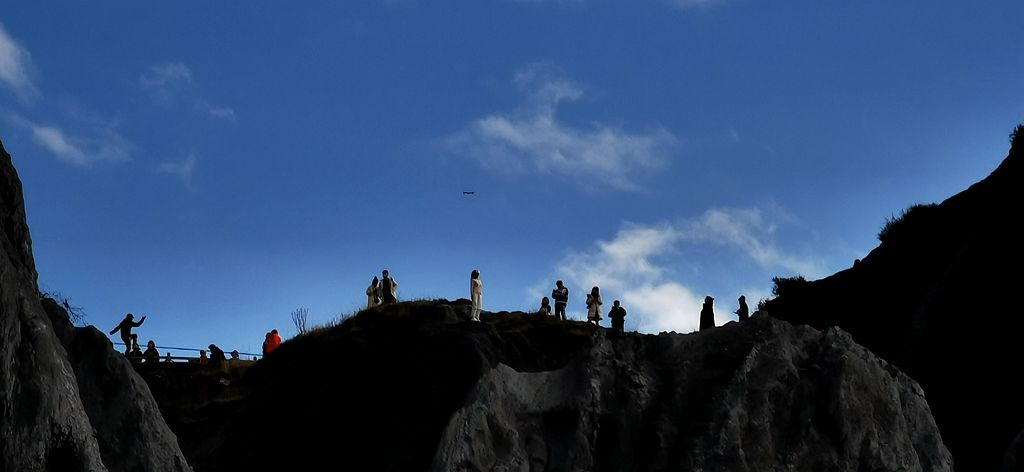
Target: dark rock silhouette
[(55, 410), (932, 299), (416, 386)]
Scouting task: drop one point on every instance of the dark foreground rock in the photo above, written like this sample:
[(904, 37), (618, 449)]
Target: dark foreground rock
[(759, 397), (936, 299), (417, 387), (86, 411)]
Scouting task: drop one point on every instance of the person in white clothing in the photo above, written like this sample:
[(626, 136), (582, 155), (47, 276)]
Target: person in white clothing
[(373, 293), (476, 290), (594, 306)]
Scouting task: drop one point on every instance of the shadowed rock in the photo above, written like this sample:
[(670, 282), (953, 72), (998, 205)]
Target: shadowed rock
[(416, 386), (934, 298), (87, 414)]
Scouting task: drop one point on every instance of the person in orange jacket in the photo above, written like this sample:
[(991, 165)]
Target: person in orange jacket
[(273, 341)]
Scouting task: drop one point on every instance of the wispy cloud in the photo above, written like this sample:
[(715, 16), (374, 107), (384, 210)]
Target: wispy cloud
[(171, 83), (532, 138), (163, 75), (633, 266), (749, 231), (182, 169), (16, 67), (220, 112), (102, 145)]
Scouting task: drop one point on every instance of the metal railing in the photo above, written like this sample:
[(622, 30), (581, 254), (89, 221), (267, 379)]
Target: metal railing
[(241, 355)]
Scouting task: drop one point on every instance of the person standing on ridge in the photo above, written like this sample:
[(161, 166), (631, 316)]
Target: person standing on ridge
[(476, 293), (216, 355), (743, 312), (125, 326), (373, 293), (273, 341), (388, 289), (203, 360), (618, 317), (707, 314), (594, 306), (561, 297)]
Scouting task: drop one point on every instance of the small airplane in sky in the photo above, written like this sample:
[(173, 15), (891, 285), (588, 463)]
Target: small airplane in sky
[(469, 193)]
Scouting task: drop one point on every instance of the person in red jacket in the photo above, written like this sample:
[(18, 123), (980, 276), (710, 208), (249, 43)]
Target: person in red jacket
[(273, 341)]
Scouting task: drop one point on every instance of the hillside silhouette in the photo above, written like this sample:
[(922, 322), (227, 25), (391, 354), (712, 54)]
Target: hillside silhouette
[(418, 386), (936, 298)]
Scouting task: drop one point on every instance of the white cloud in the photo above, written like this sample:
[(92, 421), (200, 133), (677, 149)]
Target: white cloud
[(172, 83), (164, 75), (220, 112), (182, 169), (103, 145), (748, 230), (632, 267), (225, 113), (533, 139), (16, 66)]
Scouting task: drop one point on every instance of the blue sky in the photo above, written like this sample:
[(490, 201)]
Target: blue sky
[(214, 165)]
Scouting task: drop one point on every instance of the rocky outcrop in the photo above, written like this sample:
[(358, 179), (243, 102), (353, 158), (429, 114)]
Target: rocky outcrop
[(417, 386), (43, 425), (759, 397), (935, 299), (129, 427), (81, 412)]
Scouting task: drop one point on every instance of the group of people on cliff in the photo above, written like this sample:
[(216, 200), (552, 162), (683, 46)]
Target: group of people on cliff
[(151, 355), (384, 291)]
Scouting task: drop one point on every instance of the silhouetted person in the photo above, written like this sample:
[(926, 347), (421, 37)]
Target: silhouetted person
[(216, 355), (203, 360), (618, 316), (373, 293), (476, 293), (561, 297), (167, 358), (707, 314), (388, 289), (151, 354), (545, 307), (743, 312), (594, 306), (234, 356), (266, 344), (125, 326), (135, 355)]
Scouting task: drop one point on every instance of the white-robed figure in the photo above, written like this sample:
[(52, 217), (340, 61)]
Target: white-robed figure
[(476, 292), (373, 293), (594, 306)]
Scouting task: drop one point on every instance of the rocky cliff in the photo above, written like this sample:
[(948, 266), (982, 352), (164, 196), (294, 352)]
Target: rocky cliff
[(936, 299), (418, 386), (67, 401)]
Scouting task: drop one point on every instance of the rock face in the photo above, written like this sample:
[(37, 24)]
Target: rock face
[(418, 387), (130, 430), (759, 397), (85, 411), (934, 298)]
